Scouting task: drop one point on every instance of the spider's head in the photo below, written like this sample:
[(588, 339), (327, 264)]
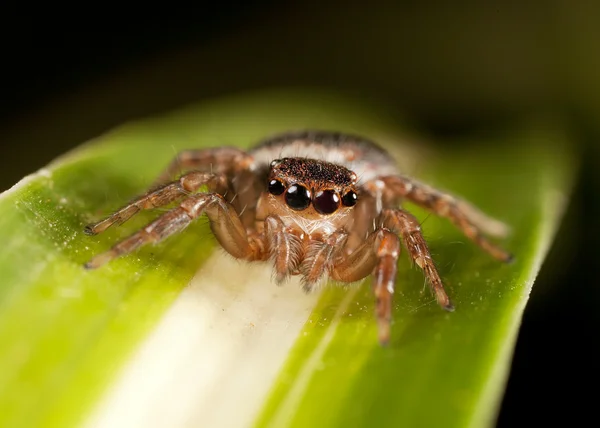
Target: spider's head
[(312, 188)]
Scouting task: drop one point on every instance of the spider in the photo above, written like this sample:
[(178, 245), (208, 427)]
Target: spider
[(319, 204)]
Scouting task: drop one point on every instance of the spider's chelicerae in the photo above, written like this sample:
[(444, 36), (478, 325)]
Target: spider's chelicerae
[(316, 204)]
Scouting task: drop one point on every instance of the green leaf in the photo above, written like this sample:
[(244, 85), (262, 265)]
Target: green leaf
[(136, 343)]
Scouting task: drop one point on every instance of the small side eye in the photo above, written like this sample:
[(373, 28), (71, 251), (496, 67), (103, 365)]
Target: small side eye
[(350, 198), (276, 187), (326, 202), (297, 197)]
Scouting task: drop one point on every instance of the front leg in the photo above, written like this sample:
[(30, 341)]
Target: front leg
[(158, 197), (224, 222), (379, 255)]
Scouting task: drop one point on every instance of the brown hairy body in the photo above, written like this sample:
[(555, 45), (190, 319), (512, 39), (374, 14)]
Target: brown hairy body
[(322, 205)]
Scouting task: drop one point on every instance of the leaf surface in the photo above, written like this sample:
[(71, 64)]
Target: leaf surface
[(67, 334)]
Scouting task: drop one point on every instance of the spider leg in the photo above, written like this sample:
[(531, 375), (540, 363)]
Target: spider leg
[(408, 227), (285, 249), (224, 223), (387, 247), (379, 255), (472, 222), (319, 258), (156, 198), (235, 164), (214, 160)]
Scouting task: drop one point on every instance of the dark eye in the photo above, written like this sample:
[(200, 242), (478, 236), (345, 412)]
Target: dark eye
[(297, 197), (350, 198), (276, 187), (326, 201)]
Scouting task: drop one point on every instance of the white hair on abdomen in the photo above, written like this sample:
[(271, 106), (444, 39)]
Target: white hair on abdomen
[(366, 167)]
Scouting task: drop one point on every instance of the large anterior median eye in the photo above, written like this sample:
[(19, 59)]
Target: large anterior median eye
[(297, 197), (326, 201)]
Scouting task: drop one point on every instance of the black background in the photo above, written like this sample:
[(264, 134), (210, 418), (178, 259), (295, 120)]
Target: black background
[(453, 68)]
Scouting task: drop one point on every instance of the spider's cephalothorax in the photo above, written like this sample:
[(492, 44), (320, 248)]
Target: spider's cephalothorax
[(322, 205)]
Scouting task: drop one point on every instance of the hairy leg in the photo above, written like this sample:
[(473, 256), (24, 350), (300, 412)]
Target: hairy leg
[(224, 223), (387, 247), (284, 248), (156, 198), (221, 160), (472, 222), (378, 255), (230, 161), (320, 256), (407, 226)]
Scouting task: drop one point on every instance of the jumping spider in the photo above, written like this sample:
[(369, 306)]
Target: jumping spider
[(316, 204)]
